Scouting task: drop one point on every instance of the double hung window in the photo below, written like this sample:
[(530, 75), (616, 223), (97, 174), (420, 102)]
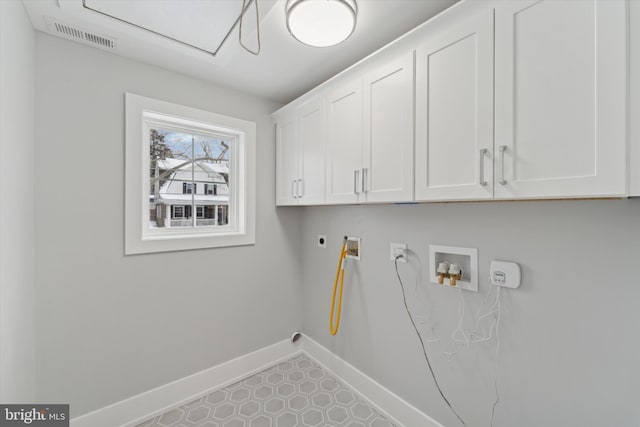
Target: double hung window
[(189, 178)]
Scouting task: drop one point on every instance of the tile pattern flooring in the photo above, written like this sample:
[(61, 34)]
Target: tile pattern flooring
[(297, 392)]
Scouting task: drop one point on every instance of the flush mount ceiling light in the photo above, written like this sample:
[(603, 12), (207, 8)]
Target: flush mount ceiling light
[(321, 23)]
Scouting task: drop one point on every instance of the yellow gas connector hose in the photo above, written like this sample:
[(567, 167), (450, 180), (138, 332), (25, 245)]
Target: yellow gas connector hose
[(339, 277)]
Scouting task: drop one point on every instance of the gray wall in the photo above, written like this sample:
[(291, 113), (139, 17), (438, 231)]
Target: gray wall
[(111, 326), (569, 348), (17, 330)]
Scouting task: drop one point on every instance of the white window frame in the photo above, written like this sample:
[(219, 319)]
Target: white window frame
[(144, 113)]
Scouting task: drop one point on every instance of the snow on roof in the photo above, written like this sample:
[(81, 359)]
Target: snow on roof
[(166, 164), (222, 168), (170, 163)]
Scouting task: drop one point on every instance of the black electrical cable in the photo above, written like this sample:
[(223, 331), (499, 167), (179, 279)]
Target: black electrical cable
[(424, 350)]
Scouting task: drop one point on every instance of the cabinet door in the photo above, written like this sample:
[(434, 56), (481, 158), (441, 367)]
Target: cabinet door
[(344, 144), (311, 125), (387, 164), (560, 98), (454, 113), (286, 161)]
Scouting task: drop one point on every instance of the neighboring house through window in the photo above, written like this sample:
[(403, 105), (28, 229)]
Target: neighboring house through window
[(213, 152)]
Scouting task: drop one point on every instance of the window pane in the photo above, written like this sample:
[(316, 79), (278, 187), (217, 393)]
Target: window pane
[(211, 178), (189, 171), (171, 180)]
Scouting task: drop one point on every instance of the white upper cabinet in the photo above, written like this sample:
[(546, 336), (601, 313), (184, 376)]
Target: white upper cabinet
[(518, 99), (387, 164), (300, 155), (311, 128), (287, 163), (560, 99), (370, 141), (344, 144), (454, 113)]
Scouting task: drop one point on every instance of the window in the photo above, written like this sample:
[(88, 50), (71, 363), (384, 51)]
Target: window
[(188, 187), (211, 189), (178, 212), (171, 150)]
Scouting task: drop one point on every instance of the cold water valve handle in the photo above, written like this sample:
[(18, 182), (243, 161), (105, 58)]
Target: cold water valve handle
[(455, 274)]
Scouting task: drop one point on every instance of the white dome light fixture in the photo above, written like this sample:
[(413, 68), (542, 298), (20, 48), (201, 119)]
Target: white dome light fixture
[(321, 23)]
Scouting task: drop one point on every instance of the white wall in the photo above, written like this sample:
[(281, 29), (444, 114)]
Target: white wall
[(569, 350), (111, 326), (17, 366)]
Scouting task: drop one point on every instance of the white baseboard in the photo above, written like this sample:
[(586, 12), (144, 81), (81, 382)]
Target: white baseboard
[(388, 403), (143, 406)]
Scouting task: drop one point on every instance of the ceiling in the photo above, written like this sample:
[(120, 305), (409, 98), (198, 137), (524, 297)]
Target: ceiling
[(182, 35), (191, 24)]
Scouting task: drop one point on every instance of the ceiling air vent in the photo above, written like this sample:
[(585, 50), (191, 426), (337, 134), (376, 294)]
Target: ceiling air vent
[(80, 35)]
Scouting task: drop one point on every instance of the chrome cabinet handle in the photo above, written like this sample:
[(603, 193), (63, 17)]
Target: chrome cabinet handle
[(365, 189), (483, 152), (501, 150), (356, 173)]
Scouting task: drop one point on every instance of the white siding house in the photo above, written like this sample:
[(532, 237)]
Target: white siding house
[(190, 193)]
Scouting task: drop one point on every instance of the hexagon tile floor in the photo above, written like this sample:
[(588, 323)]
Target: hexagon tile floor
[(297, 392)]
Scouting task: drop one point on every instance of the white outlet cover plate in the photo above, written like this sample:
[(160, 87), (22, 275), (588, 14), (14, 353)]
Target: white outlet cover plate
[(505, 273), (324, 238), (398, 246)]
